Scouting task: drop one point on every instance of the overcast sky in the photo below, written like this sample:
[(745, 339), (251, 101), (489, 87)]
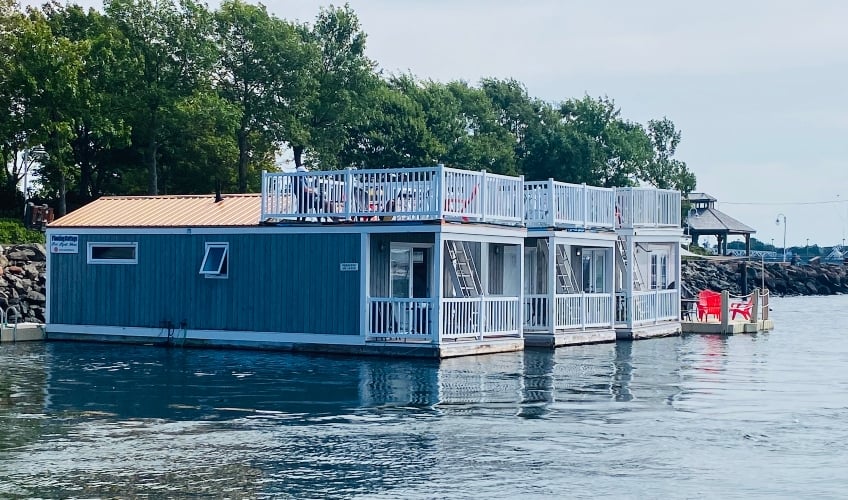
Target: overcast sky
[(758, 88)]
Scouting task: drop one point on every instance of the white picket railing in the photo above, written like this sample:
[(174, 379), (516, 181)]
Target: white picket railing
[(396, 318), (426, 193), (575, 310), (551, 203), (480, 317), (640, 207), (583, 310), (648, 306), (536, 312)]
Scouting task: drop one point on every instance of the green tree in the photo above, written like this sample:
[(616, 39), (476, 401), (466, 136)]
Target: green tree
[(172, 53), (616, 149), (393, 131), (100, 122), (664, 171), (343, 77), (264, 72)]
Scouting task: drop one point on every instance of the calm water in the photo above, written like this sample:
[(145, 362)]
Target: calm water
[(691, 417)]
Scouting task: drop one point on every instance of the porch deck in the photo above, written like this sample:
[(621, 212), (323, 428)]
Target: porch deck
[(647, 207), (554, 204), (404, 194)]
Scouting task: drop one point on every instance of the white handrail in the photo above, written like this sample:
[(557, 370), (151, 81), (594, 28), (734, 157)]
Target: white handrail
[(647, 207), (552, 203), (424, 193)]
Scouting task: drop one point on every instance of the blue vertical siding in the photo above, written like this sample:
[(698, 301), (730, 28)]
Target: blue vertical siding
[(277, 282)]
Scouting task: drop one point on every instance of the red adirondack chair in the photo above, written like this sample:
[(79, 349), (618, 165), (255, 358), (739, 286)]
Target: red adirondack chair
[(709, 304)]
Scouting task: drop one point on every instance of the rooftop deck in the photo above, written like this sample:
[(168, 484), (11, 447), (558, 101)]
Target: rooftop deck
[(441, 193)]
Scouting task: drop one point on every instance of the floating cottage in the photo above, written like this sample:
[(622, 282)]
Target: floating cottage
[(433, 262)]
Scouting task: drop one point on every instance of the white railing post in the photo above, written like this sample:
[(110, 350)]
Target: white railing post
[(656, 306), (552, 202), (348, 193), (437, 305), (521, 208), (585, 206), (483, 193), (481, 318), (441, 189), (263, 204), (584, 309)]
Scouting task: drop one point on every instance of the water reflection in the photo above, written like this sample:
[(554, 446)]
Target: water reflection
[(94, 420)]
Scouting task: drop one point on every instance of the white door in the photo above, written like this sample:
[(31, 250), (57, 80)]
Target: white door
[(409, 279)]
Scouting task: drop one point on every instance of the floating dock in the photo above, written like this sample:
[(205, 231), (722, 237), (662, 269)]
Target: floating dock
[(21, 332), (714, 313)]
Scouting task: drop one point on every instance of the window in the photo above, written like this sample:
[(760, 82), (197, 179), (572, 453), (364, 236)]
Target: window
[(215, 260), (113, 253), (659, 271)]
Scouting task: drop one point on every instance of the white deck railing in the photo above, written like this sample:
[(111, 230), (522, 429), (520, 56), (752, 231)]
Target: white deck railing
[(641, 207), (427, 193), (396, 318), (572, 311), (480, 317), (413, 319), (648, 307), (551, 203)]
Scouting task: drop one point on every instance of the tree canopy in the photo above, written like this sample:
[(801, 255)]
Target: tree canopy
[(168, 96)]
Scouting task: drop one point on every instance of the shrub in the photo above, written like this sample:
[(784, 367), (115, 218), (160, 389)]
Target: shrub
[(13, 231)]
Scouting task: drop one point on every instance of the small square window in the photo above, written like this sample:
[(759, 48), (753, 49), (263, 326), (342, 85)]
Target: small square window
[(113, 253), (214, 263)]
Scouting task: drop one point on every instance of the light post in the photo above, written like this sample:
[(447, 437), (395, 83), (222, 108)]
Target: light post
[(777, 221), (692, 211)]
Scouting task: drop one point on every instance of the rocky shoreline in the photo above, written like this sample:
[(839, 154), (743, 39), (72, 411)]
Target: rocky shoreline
[(22, 279), (780, 278), (22, 282)]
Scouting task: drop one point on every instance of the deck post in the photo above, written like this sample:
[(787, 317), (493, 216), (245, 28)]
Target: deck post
[(552, 286), (438, 279), (440, 190), (483, 194), (628, 287), (755, 307), (552, 204), (725, 310), (585, 206), (262, 202), (348, 195)]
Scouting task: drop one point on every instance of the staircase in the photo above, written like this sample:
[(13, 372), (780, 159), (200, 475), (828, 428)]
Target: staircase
[(621, 256), (463, 271)]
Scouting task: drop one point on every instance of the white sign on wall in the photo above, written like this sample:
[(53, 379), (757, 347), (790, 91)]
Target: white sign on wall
[(349, 266), (64, 243)]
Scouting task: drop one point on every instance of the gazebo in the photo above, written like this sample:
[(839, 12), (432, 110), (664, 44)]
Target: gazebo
[(705, 220)]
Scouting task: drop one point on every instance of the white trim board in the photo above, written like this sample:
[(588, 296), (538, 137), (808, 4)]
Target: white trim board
[(222, 335)]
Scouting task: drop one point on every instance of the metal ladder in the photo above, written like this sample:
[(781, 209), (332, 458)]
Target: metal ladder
[(566, 280), (463, 271), (622, 262)]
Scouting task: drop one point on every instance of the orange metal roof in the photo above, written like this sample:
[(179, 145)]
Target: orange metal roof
[(165, 211)]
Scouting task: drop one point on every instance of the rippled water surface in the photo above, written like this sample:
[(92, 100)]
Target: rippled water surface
[(690, 417)]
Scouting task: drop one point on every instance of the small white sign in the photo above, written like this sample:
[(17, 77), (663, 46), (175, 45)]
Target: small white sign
[(349, 266), (64, 243)]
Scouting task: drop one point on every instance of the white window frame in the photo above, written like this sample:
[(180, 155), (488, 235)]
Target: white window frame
[(122, 244), (225, 259), (659, 270)]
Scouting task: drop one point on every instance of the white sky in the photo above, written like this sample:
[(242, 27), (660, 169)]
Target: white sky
[(758, 88)]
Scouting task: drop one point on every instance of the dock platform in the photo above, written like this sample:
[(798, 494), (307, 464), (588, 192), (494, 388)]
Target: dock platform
[(566, 338), (731, 328), (21, 332)]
